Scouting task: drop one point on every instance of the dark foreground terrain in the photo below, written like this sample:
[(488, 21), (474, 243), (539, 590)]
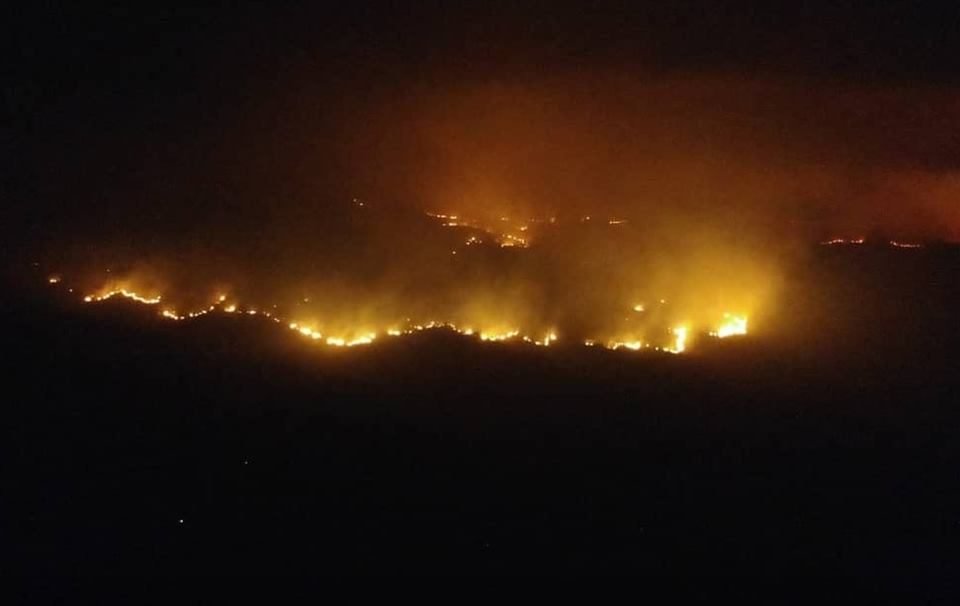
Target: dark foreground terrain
[(226, 445)]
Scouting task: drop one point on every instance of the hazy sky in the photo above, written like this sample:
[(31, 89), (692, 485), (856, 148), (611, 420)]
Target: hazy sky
[(814, 119)]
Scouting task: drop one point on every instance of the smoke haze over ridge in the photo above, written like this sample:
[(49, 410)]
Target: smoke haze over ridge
[(229, 149)]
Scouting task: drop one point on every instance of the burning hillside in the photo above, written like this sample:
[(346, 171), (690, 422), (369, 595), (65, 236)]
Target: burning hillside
[(539, 281)]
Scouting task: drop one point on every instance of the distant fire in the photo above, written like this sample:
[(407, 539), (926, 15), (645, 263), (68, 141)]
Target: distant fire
[(680, 334), (122, 293), (861, 240), (505, 231), (732, 325), (591, 280), (843, 241), (896, 244), (676, 341)]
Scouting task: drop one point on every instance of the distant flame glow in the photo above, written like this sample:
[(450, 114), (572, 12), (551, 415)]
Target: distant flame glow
[(509, 305), (897, 244), (680, 335), (730, 324), (861, 240), (122, 293), (843, 241)]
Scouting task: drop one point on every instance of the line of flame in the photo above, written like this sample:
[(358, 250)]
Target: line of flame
[(732, 325)]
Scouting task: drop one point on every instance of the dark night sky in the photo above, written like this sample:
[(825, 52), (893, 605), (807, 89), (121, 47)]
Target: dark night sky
[(837, 117)]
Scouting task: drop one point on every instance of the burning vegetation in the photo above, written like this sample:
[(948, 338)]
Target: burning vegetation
[(577, 283), (603, 210)]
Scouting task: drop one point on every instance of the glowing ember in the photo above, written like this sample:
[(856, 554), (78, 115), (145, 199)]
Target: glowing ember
[(896, 244), (843, 241), (504, 233), (856, 241)]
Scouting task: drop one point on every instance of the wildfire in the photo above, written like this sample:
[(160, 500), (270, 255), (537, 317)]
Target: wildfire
[(361, 340), (504, 233), (634, 345), (732, 325), (680, 336), (896, 244), (504, 336), (856, 241), (843, 241), (123, 293), (511, 240)]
